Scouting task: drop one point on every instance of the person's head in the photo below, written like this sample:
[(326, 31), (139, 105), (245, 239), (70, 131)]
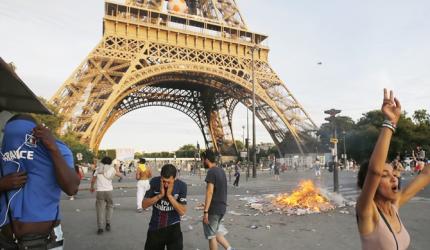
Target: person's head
[(168, 174), (208, 158), (24, 117), (142, 161), (106, 160), (18, 130), (388, 187)]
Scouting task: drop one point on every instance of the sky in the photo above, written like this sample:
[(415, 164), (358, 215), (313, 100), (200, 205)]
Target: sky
[(363, 46)]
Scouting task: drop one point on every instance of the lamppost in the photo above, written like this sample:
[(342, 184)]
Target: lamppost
[(344, 148), (254, 152), (331, 119), (197, 155), (247, 144), (243, 134)]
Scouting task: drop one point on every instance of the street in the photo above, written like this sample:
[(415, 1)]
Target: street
[(247, 228)]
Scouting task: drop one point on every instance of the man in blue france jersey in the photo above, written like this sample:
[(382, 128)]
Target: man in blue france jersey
[(168, 198), (29, 213)]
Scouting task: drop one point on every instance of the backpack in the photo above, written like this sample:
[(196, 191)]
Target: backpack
[(108, 171)]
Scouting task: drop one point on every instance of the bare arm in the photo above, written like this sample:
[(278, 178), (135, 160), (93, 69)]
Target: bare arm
[(67, 178), (209, 194), (117, 172), (374, 173), (93, 182), (415, 186), (147, 202), (138, 174), (365, 205), (180, 208), (12, 181)]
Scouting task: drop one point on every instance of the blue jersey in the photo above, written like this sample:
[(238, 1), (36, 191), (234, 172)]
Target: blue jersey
[(39, 199), (163, 213)]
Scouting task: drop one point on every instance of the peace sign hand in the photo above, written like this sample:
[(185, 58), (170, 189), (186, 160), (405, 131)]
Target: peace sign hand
[(391, 107)]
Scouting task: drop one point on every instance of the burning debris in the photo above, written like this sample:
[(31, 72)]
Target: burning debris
[(305, 199)]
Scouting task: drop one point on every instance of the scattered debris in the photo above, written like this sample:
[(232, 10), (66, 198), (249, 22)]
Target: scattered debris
[(232, 212), (200, 206)]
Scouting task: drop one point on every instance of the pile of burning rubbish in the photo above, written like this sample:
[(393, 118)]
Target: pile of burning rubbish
[(305, 199)]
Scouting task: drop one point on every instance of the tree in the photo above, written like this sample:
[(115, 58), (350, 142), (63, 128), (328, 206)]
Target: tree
[(186, 151), (325, 133), (107, 152), (421, 117), (53, 122), (240, 146)]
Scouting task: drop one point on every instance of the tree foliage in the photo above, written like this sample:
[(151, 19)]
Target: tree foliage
[(360, 137)]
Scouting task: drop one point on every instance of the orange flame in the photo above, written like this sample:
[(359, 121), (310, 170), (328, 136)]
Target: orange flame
[(306, 196)]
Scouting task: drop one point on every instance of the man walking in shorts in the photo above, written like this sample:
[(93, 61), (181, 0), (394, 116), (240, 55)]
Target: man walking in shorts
[(215, 203)]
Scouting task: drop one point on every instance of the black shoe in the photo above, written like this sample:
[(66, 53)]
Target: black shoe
[(107, 227), (100, 231)]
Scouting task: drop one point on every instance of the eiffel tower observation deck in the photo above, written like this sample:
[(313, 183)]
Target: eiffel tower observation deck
[(201, 61)]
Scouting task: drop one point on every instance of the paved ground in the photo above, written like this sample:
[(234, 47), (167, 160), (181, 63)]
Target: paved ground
[(332, 230)]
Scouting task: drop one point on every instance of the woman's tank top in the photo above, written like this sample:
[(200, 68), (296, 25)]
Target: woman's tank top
[(383, 239)]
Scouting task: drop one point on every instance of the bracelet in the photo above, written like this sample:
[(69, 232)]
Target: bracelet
[(390, 125), (205, 212)]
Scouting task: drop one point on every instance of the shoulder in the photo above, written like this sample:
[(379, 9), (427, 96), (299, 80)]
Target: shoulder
[(155, 181), (181, 183)]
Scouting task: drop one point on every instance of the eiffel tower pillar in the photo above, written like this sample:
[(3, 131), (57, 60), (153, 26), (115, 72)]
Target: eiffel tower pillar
[(197, 64)]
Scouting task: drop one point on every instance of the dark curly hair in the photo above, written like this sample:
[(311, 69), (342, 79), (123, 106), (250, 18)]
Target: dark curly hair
[(168, 171), (362, 173)]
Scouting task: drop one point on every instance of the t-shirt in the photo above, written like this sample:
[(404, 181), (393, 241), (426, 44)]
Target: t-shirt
[(39, 199), (217, 177), (104, 180), (163, 213)]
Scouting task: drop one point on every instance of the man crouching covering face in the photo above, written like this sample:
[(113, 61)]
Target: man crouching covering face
[(35, 168)]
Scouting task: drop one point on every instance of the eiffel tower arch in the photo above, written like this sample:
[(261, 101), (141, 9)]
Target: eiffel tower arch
[(200, 63)]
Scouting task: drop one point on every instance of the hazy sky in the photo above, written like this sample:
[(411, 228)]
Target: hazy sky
[(363, 46)]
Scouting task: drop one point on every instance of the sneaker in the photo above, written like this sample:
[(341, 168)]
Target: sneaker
[(100, 231), (140, 210), (71, 198), (107, 227)]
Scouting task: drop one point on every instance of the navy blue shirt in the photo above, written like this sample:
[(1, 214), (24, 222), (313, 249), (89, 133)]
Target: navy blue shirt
[(39, 199), (163, 213), (216, 176)]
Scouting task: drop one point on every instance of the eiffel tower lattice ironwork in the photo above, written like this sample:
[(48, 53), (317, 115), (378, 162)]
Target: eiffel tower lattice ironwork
[(199, 63)]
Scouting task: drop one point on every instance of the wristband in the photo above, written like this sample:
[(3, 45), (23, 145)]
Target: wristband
[(390, 125), (205, 212)]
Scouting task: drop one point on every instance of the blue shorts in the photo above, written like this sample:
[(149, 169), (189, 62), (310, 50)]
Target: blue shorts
[(214, 227)]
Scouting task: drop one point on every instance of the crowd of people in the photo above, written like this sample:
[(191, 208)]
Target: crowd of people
[(35, 168)]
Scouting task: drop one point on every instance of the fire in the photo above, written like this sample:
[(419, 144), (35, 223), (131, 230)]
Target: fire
[(306, 196)]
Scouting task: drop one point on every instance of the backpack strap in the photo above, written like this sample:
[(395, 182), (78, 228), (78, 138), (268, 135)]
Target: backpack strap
[(389, 227)]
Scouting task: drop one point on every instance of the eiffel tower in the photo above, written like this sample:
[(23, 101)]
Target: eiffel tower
[(201, 62)]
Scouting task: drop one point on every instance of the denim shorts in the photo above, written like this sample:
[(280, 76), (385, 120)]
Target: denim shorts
[(214, 227)]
